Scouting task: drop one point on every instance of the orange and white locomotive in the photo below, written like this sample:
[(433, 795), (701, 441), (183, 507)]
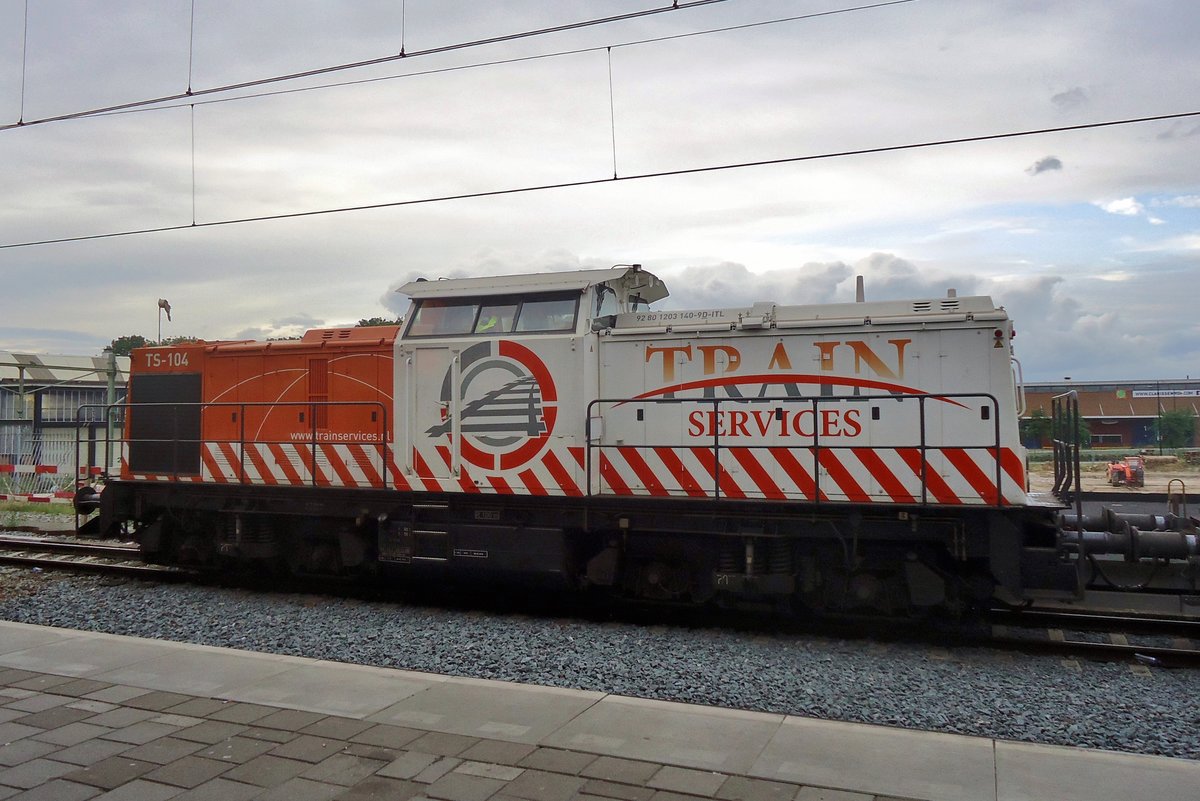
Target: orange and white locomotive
[(853, 456)]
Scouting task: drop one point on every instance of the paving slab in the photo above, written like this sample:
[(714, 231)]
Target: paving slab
[(333, 688), (195, 723), (85, 656), (90, 752), (42, 681), (338, 727), (1035, 772), (881, 760), (299, 789), (380, 788), (344, 769), (190, 771), (162, 750), (72, 734), (111, 773), (220, 789), (493, 709), (59, 790), (237, 750), (142, 790), (267, 771), (23, 750), (659, 731), (36, 702), (464, 787), (34, 772), (197, 671), (16, 637)]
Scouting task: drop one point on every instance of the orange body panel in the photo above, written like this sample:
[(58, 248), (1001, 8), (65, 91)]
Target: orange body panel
[(263, 406)]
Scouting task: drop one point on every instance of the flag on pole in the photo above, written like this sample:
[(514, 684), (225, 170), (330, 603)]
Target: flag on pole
[(165, 305)]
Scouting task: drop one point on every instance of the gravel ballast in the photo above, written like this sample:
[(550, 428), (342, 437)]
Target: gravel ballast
[(971, 690)]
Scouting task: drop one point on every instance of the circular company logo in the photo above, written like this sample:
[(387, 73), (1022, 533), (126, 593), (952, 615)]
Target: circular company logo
[(507, 405)]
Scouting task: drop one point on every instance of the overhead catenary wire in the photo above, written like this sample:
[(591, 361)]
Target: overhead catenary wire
[(144, 109), (509, 37), (191, 43), (24, 61), (598, 181)]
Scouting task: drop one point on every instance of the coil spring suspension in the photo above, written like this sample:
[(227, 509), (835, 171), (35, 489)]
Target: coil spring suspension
[(780, 558), (730, 558)]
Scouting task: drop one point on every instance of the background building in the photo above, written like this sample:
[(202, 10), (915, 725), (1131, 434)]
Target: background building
[(1120, 413), (40, 417)]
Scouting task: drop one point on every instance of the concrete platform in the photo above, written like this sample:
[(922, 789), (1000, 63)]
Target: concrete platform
[(86, 716)]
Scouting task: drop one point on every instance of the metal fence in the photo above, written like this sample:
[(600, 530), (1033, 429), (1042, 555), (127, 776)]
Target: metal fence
[(40, 462)]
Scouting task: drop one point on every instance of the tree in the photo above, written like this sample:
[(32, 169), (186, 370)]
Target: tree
[(1036, 428), (123, 346), (1176, 428), (367, 321)]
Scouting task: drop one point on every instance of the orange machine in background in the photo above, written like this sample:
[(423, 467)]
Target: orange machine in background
[(313, 411)]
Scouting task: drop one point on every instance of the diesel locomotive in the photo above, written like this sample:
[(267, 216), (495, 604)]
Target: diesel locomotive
[(561, 427)]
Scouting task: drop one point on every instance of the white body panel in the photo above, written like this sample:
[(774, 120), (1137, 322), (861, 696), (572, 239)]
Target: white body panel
[(893, 402)]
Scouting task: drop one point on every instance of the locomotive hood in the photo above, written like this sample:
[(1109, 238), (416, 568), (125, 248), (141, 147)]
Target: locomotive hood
[(629, 281)]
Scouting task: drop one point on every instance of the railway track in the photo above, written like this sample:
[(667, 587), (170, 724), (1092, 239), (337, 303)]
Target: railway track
[(1157, 641), (1167, 641), (50, 554)]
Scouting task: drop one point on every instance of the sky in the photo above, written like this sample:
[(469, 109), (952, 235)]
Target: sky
[(1090, 238)]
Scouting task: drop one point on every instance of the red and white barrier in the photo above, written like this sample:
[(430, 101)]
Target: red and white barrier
[(40, 497), (28, 469)]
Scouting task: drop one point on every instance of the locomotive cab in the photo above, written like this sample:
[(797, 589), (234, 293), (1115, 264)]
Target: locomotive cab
[(492, 375)]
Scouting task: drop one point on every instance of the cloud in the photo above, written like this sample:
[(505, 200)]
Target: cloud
[(1182, 201), (1070, 99), (49, 340), (290, 326), (1045, 164), (795, 232), (1180, 129), (1126, 206), (1130, 207)]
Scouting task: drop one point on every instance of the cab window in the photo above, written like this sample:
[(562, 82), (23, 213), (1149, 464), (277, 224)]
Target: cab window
[(442, 318), (494, 316), (556, 314)]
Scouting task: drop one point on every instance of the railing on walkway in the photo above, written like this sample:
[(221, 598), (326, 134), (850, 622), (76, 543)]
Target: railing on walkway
[(188, 440), (885, 437), (1065, 428)]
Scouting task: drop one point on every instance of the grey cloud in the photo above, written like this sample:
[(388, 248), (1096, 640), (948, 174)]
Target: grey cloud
[(730, 284), (290, 326), (49, 340), (1045, 164), (1180, 129), (1070, 99), (306, 320)]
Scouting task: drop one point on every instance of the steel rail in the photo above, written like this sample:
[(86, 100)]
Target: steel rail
[(1048, 631), (83, 558)]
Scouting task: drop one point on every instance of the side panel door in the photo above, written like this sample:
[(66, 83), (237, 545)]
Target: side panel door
[(430, 426)]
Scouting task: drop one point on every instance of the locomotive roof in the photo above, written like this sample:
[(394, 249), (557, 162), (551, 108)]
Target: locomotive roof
[(632, 279)]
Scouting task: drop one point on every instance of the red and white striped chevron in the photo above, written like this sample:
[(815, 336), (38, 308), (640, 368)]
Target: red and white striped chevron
[(862, 475), (949, 476), (359, 465)]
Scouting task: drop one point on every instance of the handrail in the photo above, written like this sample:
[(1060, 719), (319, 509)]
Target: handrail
[(815, 442), (1064, 437), (312, 436)]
